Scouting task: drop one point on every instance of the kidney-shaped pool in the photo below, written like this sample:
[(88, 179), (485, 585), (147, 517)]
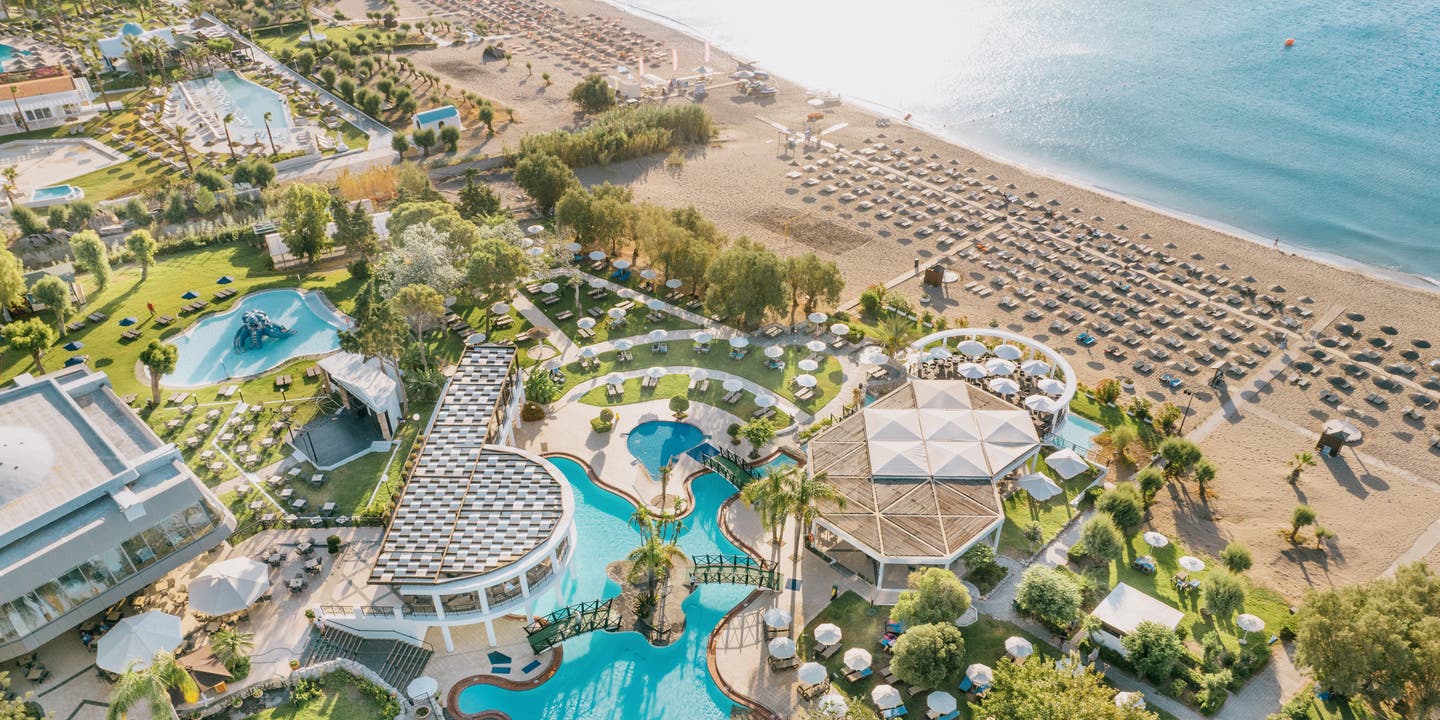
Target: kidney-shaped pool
[(209, 354)]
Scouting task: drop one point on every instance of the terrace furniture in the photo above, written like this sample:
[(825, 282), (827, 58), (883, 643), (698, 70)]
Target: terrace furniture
[(564, 315), (96, 317), (312, 565), (164, 320), (297, 583), (306, 546), (130, 335), (317, 479), (229, 391), (858, 675), (789, 663), (73, 326)]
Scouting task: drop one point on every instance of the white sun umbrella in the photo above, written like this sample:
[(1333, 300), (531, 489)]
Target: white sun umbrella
[(1130, 700), (699, 374), (808, 365), (674, 283), (588, 352), (136, 639), (1155, 539), (827, 634), (499, 308), (229, 586), (703, 337), (1003, 386), (535, 229), (657, 335), (422, 687), (833, 704), (1035, 368), (980, 674), (536, 251), (1192, 563), (1018, 647), (765, 401), (812, 673), (572, 247), (622, 264), (818, 318), (1000, 366), (885, 696), (597, 283), (733, 384), (623, 345), (1008, 352), (972, 348), (739, 341), (1067, 463), (940, 702), (475, 338), (1050, 386), (840, 329), (549, 287), (774, 351), (777, 618), (940, 352), (782, 648), (614, 379), (807, 381), (1040, 487), (1250, 623), (972, 371), (585, 322), (857, 658), (874, 357), (649, 274), (597, 255), (655, 304), (616, 313), (655, 373), (1040, 403), (815, 346)]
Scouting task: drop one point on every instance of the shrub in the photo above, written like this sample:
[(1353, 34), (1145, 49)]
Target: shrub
[(679, 405), (1150, 481), (1223, 594), (28, 222), (1107, 391), (622, 134), (604, 423), (532, 412), (593, 94), (541, 387), (929, 655), (211, 179), (1100, 540), (1155, 651), (304, 692), (1049, 594), (332, 544), (934, 595), (1236, 557), (872, 301), (1124, 505)]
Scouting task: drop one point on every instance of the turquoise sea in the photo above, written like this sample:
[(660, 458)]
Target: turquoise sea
[(1198, 108)]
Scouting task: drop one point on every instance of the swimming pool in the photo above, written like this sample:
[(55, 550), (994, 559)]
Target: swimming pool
[(620, 675), (249, 103), (207, 352), (7, 52), (658, 442), (55, 194), (1079, 433)]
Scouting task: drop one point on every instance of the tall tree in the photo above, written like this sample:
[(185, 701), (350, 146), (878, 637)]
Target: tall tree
[(812, 492), (232, 647), (934, 595), (54, 294), (151, 686), (90, 254), (1224, 594), (143, 246), (770, 497), (30, 336), (476, 199), (745, 283), (1155, 650), (460, 234), (421, 307), (12, 280), (494, 269), (657, 550), (929, 656), (544, 178), (810, 282), (1038, 690), (422, 256), (305, 215), (159, 358)]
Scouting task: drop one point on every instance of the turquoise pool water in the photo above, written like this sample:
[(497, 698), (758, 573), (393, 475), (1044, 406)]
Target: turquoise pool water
[(658, 442), (53, 192), (207, 352), (251, 102), (7, 52), (1079, 433), (619, 675)]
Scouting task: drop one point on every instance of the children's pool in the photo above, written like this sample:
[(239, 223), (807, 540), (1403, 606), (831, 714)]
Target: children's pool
[(1079, 433), (657, 443), (207, 350)]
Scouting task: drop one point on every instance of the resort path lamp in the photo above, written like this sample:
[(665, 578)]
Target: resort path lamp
[(268, 117), (1186, 416)]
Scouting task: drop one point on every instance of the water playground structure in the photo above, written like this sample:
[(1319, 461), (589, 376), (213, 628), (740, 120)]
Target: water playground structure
[(255, 326)]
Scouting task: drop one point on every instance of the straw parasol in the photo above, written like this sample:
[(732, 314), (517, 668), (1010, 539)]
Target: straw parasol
[(134, 641), (827, 634), (782, 648), (777, 618), (229, 586), (857, 658)]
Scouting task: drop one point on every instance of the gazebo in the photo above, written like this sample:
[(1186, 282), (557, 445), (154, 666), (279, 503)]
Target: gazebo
[(1124, 609)]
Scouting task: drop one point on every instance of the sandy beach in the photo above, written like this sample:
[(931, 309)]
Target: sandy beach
[(832, 200)]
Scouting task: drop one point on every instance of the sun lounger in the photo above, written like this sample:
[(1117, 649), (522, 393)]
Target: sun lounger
[(897, 711), (857, 675)]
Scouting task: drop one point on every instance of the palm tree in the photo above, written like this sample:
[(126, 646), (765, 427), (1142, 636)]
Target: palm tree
[(185, 151), (665, 483), (232, 646), (1302, 460), (770, 497), (652, 559), (152, 685), (19, 115), (225, 125), (896, 333), (807, 493), (268, 117), (10, 176), (159, 358)]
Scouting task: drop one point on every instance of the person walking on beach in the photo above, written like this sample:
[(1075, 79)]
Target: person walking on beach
[(1277, 242)]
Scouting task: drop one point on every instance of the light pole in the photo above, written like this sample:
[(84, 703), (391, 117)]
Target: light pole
[(1186, 416)]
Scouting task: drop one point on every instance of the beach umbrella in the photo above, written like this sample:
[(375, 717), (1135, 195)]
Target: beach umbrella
[(649, 274), (1250, 623), (857, 658), (622, 264), (596, 283), (980, 674), (732, 385), (1050, 386), (614, 379), (782, 648), (588, 352), (1008, 352), (75, 360), (135, 640), (774, 351), (1003, 386), (1130, 700), (818, 317), (1039, 486), (765, 401), (422, 687), (972, 348), (536, 251), (127, 321), (597, 255), (703, 337), (585, 323), (655, 304), (1192, 563), (1067, 463), (549, 287), (808, 365), (807, 381), (833, 704), (815, 346), (1018, 647), (1035, 368), (940, 702), (811, 673), (535, 229), (1000, 366), (699, 374), (475, 338), (1155, 539), (623, 345), (229, 586), (674, 283), (655, 373), (225, 280), (840, 329), (777, 618), (499, 308), (615, 313), (190, 295), (74, 345), (656, 335), (827, 633), (972, 371), (1040, 403), (573, 247), (885, 696), (874, 357), (940, 352), (739, 341)]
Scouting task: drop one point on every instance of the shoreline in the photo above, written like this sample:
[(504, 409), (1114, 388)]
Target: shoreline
[(1407, 280)]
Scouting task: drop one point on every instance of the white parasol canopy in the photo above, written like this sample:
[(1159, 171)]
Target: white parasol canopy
[(622, 264), (739, 341), (774, 351), (808, 365), (827, 634), (840, 329), (1041, 404), (1003, 386), (623, 345), (657, 335), (1130, 700), (499, 308), (972, 371), (588, 352), (815, 346), (549, 287), (782, 648), (1000, 366), (573, 246), (1155, 539), (1018, 647), (733, 384), (596, 283), (1346, 430), (1050, 386), (135, 640), (811, 673), (833, 704), (585, 322), (777, 618), (857, 658), (874, 357), (655, 373), (818, 317), (422, 687), (597, 255), (703, 337), (614, 379), (885, 696), (940, 352), (229, 586), (699, 374), (616, 313), (1067, 463), (1040, 487), (655, 304), (674, 283), (807, 381), (1192, 563), (972, 348), (980, 674), (1008, 352), (649, 274), (475, 338), (1035, 368), (765, 401), (1250, 623), (941, 703)]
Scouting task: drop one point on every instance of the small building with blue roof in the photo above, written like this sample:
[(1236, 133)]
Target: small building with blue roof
[(436, 118)]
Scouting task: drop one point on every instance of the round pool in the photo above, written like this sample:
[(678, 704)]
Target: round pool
[(658, 442), (208, 354)]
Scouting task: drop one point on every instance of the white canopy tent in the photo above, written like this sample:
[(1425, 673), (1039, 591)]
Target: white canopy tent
[(369, 382), (1124, 609)]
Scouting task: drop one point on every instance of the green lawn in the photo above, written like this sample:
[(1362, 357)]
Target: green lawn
[(290, 39), (863, 625), (635, 323), (676, 385), (340, 699), (1051, 515), (1111, 417)]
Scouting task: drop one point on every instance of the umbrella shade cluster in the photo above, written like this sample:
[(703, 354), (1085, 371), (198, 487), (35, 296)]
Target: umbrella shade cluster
[(136, 639), (229, 586)]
